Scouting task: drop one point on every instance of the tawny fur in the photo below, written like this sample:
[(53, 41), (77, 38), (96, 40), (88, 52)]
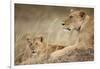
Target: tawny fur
[(80, 25), (41, 51)]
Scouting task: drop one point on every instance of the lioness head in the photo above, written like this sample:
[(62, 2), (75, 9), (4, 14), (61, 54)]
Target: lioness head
[(75, 20)]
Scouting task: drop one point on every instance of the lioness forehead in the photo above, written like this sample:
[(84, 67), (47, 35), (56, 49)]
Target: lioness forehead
[(75, 13)]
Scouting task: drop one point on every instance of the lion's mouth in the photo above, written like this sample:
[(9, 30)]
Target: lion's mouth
[(67, 29)]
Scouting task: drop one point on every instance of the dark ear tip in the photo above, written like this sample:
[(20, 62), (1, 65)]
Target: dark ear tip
[(41, 39), (82, 13)]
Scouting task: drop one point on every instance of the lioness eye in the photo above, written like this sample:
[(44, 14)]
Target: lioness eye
[(70, 16), (63, 24)]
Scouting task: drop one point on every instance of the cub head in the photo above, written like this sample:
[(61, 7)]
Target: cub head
[(75, 20), (35, 44)]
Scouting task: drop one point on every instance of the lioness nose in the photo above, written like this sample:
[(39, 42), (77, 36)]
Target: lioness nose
[(63, 24)]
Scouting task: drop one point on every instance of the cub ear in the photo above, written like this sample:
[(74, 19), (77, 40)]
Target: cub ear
[(41, 39), (71, 10), (28, 39), (82, 14)]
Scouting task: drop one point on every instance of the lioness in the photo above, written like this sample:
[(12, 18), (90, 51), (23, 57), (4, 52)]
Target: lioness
[(80, 26)]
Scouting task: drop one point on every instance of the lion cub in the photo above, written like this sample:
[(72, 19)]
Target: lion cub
[(37, 45), (40, 49)]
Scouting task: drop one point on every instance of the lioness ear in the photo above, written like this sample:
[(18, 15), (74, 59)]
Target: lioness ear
[(82, 14), (86, 19)]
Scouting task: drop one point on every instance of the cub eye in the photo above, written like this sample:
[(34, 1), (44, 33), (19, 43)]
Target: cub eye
[(71, 16), (36, 43)]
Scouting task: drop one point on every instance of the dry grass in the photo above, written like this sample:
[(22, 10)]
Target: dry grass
[(26, 56)]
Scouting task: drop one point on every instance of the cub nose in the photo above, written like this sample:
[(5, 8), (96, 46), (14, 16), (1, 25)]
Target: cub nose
[(63, 24)]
